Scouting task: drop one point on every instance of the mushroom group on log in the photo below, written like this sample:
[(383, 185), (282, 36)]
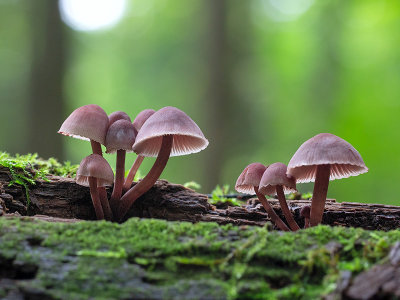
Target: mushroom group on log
[(62, 198)]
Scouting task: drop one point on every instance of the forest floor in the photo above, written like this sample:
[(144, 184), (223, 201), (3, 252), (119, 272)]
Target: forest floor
[(197, 252), (157, 259)]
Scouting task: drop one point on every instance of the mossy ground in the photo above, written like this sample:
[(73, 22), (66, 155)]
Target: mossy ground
[(160, 259)]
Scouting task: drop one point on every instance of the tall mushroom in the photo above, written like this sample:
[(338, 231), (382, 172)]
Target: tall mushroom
[(141, 118), (322, 158), (168, 132), (274, 181), (248, 183), (120, 138), (137, 124), (90, 122), (94, 171)]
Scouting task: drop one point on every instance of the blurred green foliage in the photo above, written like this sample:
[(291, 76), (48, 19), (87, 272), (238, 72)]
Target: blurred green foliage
[(334, 68)]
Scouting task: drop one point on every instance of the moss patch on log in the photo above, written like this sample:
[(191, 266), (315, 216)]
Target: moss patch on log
[(26, 169), (159, 259)]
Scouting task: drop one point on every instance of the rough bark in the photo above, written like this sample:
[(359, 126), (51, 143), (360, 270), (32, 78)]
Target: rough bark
[(63, 198), (379, 282)]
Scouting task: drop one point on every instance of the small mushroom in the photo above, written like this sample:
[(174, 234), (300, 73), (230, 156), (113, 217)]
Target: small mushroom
[(120, 138), (305, 213), (137, 124), (274, 181), (248, 183), (90, 122), (168, 132), (118, 115), (94, 171), (322, 158)]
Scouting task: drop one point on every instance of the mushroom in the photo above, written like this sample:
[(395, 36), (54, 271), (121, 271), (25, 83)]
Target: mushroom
[(141, 118), (137, 124), (305, 213), (322, 158), (118, 115), (168, 132), (274, 181), (94, 171), (90, 122), (248, 183), (120, 138)]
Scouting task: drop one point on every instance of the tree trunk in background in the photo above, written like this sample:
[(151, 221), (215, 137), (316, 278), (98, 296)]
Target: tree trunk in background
[(325, 82), (227, 45), (46, 103)]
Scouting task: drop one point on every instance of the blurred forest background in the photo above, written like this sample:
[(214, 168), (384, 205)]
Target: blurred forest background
[(259, 77)]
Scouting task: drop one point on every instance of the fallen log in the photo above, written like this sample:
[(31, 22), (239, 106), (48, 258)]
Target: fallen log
[(61, 197)]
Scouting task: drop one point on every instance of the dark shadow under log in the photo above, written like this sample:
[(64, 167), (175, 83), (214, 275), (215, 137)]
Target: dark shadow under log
[(63, 198)]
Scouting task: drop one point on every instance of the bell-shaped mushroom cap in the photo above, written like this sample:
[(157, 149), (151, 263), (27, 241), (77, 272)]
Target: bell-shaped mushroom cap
[(89, 122), (120, 136), (141, 118), (249, 178), (96, 166), (188, 137), (275, 175), (326, 149), (118, 115)]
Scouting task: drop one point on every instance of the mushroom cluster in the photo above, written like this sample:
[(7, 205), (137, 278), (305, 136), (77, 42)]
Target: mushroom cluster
[(320, 159), (163, 133)]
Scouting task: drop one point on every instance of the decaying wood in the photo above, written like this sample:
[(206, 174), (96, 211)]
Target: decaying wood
[(62, 198), (382, 281)]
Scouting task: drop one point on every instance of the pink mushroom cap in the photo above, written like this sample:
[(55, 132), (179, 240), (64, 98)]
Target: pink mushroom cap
[(120, 136), (326, 149), (249, 178), (141, 118), (118, 115), (275, 175), (96, 166), (89, 122), (188, 137)]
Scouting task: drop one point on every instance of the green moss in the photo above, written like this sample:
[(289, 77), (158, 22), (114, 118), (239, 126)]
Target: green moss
[(219, 197), (26, 169), (192, 185), (155, 258)]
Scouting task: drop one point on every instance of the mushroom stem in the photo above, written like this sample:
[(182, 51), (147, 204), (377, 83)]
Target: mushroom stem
[(94, 193), (119, 178), (285, 209), (306, 223), (132, 172), (96, 148), (108, 215), (148, 181), (270, 211), (319, 194)]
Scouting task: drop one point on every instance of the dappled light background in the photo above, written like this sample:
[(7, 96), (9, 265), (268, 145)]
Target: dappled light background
[(259, 77)]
